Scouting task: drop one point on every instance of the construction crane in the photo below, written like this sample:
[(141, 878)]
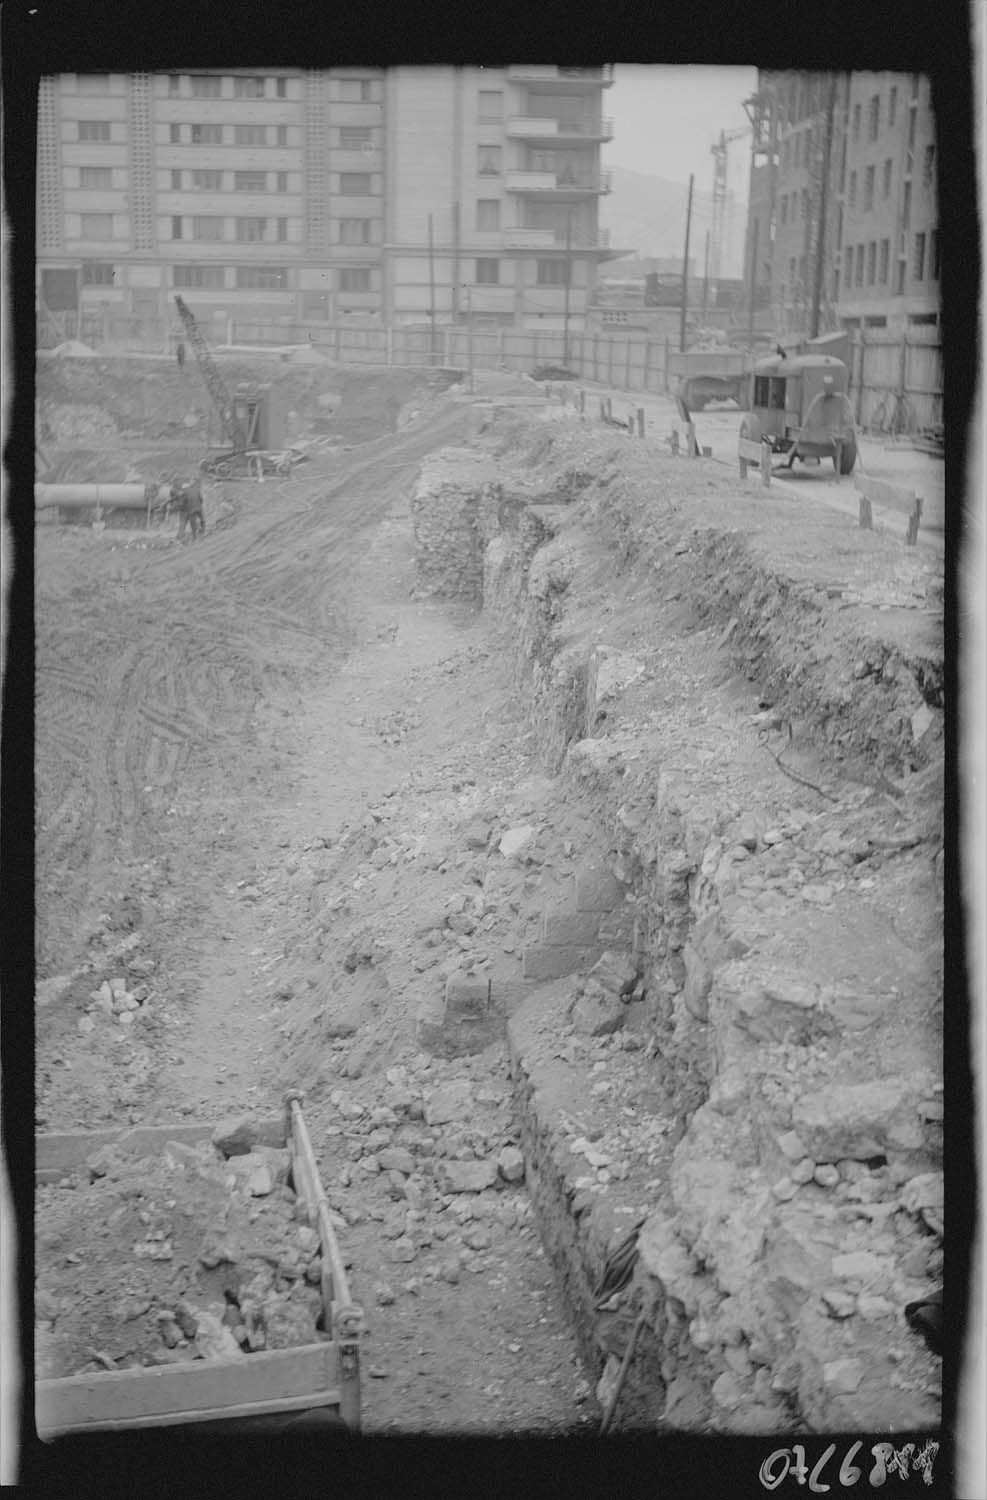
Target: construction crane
[(719, 150), (214, 381)]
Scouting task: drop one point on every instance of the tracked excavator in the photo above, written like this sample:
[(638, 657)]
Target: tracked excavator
[(251, 418)]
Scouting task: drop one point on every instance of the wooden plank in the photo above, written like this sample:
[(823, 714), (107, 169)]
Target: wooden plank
[(880, 492), (62, 1151), (330, 1245), (746, 448), (278, 1379)]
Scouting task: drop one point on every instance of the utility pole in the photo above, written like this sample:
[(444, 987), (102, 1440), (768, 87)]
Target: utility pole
[(431, 286), (823, 199), (706, 279), (568, 279), (469, 334), (685, 268), (753, 286), (455, 262)]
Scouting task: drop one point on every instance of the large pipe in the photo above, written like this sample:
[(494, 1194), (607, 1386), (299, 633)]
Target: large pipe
[(77, 496)]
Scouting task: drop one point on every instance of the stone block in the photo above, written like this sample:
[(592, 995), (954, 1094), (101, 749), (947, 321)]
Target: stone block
[(235, 1136), (543, 962), (467, 996), (615, 973), (567, 928), (597, 888), (597, 1013), (616, 928), (467, 1176), (451, 1101), (396, 1159), (858, 1121)]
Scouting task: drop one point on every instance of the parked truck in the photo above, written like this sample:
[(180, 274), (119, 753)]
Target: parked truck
[(717, 374)]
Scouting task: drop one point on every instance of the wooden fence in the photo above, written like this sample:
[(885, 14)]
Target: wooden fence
[(895, 379)]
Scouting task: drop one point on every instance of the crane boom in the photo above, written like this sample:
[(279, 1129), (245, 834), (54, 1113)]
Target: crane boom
[(719, 150), (214, 381)]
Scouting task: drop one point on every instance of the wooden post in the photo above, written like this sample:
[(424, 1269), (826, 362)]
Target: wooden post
[(640, 421), (675, 442), (865, 519), (647, 365), (911, 535), (765, 465), (691, 440), (582, 402), (609, 409)]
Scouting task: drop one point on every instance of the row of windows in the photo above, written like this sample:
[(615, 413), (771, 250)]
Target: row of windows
[(236, 135), (874, 112), (547, 272), (864, 258), (247, 230), (928, 168), (210, 86)]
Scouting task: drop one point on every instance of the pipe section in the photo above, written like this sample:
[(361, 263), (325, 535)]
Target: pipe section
[(76, 496)]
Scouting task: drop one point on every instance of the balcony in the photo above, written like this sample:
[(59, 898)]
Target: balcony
[(533, 128), (555, 239), (565, 79), (485, 298), (557, 184)]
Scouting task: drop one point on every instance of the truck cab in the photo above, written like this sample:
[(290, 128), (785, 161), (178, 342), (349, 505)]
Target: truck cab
[(799, 408)]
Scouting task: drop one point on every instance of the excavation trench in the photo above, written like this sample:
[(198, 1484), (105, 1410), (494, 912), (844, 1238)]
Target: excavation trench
[(567, 826)]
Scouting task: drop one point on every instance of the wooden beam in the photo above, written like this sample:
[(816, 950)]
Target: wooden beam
[(200, 1390)]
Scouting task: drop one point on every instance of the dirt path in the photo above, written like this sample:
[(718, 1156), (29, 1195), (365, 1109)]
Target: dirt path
[(249, 698)]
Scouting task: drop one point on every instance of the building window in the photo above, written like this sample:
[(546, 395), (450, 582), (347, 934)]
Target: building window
[(798, 150), (198, 276), (354, 184), (918, 258), (488, 271), (784, 209), (94, 83), (97, 273), (912, 118), (249, 88), (871, 262), (281, 136), (785, 155), (176, 181), (851, 196), (282, 182), (928, 163), (95, 177), (266, 278), (900, 279), (174, 85), (906, 205), (207, 181), (249, 182), (491, 104), (206, 86), (207, 227), (249, 135), (836, 286), (934, 255), (207, 135), (282, 230), (875, 116), (888, 169), (281, 87), (856, 122), (94, 130), (552, 272), (916, 79), (250, 229), (354, 231), (892, 103), (176, 227), (885, 261), (488, 161), (875, 322), (869, 187), (354, 137), (805, 204), (858, 279), (488, 213), (175, 135), (97, 226), (354, 90), (354, 279)]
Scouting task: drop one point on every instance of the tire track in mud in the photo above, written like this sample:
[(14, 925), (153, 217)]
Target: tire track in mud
[(194, 638)]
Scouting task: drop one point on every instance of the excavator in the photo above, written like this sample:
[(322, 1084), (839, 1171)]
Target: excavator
[(248, 417)]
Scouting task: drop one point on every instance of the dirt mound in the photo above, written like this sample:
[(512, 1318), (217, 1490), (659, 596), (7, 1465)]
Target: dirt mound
[(174, 1257)]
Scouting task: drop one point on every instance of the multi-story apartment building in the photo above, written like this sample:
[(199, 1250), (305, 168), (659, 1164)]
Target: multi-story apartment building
[(880, 257), (302, 195)]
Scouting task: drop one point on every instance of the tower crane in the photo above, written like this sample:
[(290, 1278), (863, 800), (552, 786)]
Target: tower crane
[(719, 150)]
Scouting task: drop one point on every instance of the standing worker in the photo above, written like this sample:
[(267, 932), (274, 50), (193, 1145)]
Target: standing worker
[(186, 496)]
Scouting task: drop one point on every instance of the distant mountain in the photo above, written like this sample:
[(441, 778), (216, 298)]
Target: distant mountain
[(646, 216)]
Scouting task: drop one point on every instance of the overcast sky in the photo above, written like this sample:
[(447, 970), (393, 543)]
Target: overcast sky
[(666, 119)]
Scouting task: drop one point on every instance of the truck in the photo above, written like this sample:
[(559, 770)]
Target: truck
[(716, 374)]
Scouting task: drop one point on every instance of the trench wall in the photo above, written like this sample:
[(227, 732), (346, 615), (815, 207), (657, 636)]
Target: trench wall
[(800, 1204)]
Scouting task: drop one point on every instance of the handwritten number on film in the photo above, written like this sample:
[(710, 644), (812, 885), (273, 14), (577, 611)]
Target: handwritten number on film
[(887, 1460)]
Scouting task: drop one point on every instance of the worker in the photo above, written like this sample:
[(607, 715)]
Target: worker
[(186, 496), (180, 355)]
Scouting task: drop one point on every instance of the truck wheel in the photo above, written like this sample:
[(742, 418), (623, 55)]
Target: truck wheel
[(844, 461)]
